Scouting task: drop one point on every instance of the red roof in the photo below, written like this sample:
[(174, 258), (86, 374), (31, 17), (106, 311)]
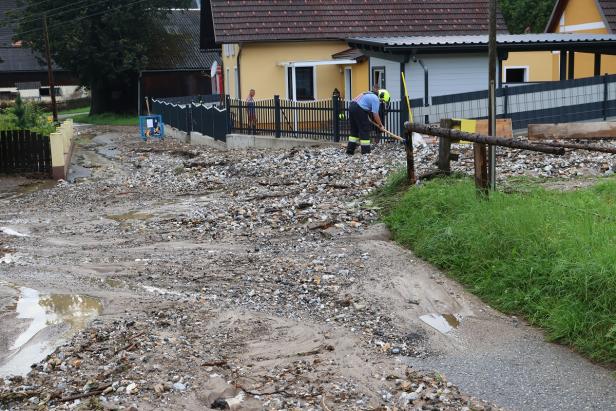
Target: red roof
[(261, 20)]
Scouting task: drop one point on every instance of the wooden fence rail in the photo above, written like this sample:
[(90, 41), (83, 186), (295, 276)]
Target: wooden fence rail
[(23, 151)]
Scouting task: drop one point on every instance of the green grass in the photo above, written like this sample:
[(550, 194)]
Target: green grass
[(549, 256), (107, 119), (77, 110)]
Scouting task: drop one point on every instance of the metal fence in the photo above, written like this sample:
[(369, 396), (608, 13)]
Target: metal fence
[(317, 120), (592, 98), (205, 118)]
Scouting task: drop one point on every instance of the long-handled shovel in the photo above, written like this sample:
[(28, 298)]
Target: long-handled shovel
[(389, 133)]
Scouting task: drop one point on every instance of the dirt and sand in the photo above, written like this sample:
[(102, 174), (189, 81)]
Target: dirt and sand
[(177, 277)]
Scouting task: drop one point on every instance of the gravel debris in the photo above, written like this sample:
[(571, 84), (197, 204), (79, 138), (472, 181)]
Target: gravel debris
[(233, 277)]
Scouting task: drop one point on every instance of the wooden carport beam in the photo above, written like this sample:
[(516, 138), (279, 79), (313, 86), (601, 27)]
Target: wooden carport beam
[(571, 65), (597, 64), (563, 65)]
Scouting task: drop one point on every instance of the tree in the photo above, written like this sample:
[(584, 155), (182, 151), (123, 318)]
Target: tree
[(521, 15), (104, 43)]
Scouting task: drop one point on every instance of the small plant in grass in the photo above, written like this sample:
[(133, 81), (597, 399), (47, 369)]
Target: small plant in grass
[(19, 110)]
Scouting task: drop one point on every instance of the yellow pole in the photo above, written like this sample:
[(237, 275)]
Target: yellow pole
[(406, 95)]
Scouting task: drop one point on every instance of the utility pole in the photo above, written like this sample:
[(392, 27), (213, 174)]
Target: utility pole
[(492, 92), (52, 86)]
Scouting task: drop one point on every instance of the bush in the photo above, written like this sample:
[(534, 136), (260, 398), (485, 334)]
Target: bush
[(25, 116)]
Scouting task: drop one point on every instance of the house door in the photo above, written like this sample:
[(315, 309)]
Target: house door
[(348, 83)]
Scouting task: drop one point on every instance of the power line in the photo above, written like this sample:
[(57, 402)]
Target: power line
[(85, 17), (53, 11)]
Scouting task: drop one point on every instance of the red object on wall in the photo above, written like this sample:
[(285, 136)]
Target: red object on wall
[(220, 82)]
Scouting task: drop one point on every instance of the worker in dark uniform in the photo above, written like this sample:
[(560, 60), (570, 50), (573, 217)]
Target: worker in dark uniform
[(364, 108)]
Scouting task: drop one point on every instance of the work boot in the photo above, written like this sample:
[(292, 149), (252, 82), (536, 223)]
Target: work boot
[(365, 149), (351, 146)]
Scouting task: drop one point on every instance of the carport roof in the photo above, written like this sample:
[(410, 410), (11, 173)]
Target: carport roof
[(592, 43)]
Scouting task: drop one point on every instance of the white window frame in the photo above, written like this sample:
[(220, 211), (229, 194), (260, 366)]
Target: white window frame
[(314, 79), (348, 94), (526, 72), (382, 69)]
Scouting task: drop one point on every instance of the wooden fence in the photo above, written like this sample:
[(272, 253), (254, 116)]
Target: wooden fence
[(24, 151)]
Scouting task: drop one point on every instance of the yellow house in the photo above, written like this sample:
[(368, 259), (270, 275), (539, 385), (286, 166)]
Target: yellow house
[(296, 49), (316, 68), (568, 16)]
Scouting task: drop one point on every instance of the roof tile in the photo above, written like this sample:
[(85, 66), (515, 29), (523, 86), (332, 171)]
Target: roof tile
[(239, 20)]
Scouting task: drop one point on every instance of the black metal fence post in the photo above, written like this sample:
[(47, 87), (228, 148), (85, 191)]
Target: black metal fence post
[(336, 116), (505, 101), (277, 127), (605, 97), (230, 125), (190, 121)]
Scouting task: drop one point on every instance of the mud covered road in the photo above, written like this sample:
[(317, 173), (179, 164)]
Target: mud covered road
[(176, 277)]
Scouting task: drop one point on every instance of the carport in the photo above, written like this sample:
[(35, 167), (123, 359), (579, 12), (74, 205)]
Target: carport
[(452, 49)]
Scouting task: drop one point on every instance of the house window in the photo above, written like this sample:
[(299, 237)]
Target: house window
[(304, 83), (378, 77), (44, 91), (516, 74)]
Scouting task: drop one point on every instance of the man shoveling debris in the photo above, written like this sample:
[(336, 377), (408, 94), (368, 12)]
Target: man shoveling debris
[(362, 111)]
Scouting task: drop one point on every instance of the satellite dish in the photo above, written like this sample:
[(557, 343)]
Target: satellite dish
[(214, 69)]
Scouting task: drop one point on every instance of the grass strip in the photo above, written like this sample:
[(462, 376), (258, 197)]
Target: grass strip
[(549, 256), (107, 119)]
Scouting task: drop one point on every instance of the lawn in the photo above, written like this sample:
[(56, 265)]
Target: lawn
[(549, 256), (77, 110), (108, 119)]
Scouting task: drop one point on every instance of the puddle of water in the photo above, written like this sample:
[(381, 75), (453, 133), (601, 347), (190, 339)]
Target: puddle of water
[(133, 215), (84, 138), (36, 186), (11, 189), (10, 231), (30, 346), (442, 322), (77, 171)]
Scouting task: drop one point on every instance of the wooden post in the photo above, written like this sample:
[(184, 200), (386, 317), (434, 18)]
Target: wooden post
[(52, 86), (410, 158), (563, 65), (571, 66), (481, 168), (597, 69), (444, 149), (492, 56)]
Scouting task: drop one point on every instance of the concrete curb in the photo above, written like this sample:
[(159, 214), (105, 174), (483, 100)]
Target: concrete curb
[(244, 141)]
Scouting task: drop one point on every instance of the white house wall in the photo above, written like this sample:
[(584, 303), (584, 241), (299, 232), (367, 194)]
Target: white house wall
[(392, 76), (448, 74)]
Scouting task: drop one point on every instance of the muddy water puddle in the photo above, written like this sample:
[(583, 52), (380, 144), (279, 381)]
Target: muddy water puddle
[(46, 315), (11, 188), (444, 323)]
